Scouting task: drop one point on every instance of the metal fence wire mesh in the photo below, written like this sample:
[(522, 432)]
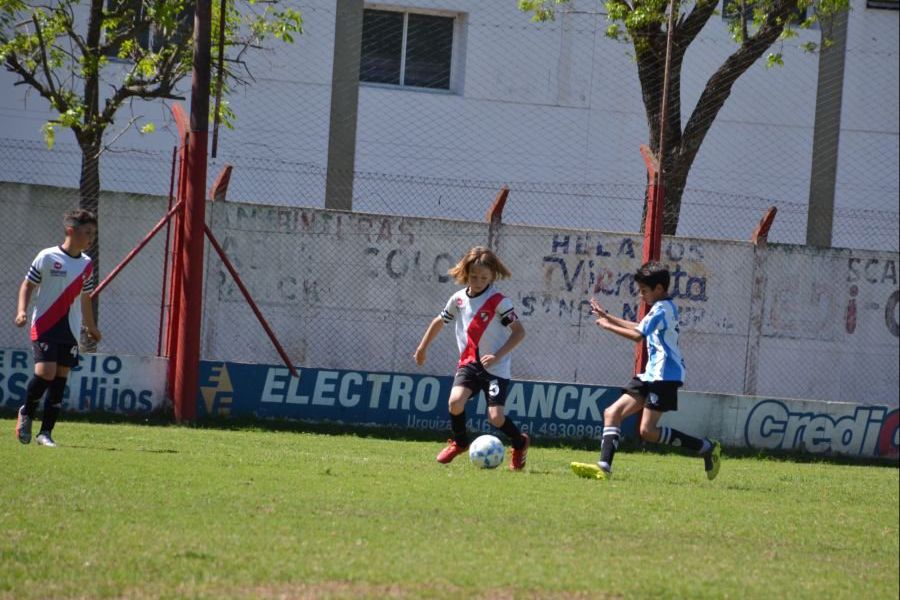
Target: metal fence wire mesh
[(456, 100)]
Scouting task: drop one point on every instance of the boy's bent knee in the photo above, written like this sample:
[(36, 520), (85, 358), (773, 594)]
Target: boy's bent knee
[(649, 434), (611, 415)]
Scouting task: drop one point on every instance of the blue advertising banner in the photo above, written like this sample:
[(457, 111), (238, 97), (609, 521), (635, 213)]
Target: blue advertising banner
[(129, 385), (395, 399)]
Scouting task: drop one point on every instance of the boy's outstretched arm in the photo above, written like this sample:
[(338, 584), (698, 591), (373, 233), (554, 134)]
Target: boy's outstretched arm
[(25, 291), (434, 328), (602, 313), (626, 332)]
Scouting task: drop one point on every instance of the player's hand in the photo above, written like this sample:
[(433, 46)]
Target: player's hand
[(21, 319), (604, 323), (487, 360), (419, 355), (94, 333), (598, 309)]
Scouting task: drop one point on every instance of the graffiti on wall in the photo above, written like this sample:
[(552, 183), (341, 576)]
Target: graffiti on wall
[(876, 279), (401, 263), (579, 266), (390, 248)]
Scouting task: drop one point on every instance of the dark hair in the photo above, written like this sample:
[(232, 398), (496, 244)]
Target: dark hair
[(79, 217), (653, 274)]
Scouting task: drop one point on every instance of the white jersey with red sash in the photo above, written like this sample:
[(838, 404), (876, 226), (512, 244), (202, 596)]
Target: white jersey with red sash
[(481, 326), (62, 279)]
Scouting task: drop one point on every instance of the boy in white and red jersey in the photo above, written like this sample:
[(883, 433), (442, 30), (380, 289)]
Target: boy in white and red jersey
[(487, 330), (63, 277)]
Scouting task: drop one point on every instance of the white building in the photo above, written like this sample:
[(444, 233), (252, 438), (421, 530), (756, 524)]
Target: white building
[(553, 110)]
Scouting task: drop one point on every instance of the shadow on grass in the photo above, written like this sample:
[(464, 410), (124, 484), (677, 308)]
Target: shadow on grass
[(416, 435)]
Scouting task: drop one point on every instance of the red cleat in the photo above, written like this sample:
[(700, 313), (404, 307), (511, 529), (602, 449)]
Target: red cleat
[(517, 462), (450, 452)]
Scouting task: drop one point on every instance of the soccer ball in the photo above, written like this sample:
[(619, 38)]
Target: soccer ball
[(486, 452)]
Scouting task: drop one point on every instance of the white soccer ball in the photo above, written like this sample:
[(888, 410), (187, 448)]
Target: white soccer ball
[(486, 452)]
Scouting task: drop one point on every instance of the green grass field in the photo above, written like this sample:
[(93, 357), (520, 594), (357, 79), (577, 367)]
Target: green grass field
[(137, 511)]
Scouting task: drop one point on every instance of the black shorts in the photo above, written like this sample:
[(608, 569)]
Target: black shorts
[(65, 355), (474, 377), (661, 396)]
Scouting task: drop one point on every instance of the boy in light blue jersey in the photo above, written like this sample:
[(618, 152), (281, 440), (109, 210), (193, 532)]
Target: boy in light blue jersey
[(655, 391)]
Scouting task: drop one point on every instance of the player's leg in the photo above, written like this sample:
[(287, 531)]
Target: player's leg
[(629, 403), (68, 358), (44, 373), (495, 390), (459, 443), (663, 398)]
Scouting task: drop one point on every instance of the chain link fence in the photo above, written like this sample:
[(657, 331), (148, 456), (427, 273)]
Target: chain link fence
[(456, 102)]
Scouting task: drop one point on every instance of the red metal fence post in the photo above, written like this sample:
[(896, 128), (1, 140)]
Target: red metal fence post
[(190, 311), (652, 245)]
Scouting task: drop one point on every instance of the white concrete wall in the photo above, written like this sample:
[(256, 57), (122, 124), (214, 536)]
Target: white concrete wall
[(129, 309), (553, 109), (356, 291)]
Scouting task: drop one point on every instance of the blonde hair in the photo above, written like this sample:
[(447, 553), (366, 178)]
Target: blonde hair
[(483, 257)]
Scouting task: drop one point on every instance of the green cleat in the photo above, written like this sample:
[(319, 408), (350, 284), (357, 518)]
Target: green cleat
[(589, 471), (712, 459)]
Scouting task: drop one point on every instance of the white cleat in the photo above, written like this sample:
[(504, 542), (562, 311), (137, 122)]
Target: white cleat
[(44, 439)]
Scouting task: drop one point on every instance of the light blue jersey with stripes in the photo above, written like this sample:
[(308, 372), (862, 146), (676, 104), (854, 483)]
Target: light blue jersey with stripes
[(660, 329)]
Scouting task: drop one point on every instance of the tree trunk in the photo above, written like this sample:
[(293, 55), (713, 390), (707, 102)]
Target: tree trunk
[(89, 191), (676, 172), (90, 138), (683, 143)]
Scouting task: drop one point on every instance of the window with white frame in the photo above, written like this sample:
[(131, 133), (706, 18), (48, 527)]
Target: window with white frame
[(409, 49)]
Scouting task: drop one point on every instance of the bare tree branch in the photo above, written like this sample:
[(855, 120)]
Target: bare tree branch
[(43, 54), (719, 85), (693, 23), (28, 78)]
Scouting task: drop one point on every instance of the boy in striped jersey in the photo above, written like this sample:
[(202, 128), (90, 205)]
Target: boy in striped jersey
[(63, 277), (487, 330), (655, 391)]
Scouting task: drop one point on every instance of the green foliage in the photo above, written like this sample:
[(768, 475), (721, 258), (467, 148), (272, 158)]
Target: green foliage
[(542, 10), (49, 133), (173, 512), (53, 37), (631, 21)]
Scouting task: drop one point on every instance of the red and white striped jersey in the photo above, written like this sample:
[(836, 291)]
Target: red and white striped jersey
[(62, 279), (482, 326)]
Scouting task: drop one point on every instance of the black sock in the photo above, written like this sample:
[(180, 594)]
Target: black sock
[(54, 404), (33, 392), (608, 446), (512, 432), (458, 425), (676, 438)]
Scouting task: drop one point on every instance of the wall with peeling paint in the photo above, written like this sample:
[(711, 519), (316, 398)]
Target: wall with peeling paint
[(356, 291)]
